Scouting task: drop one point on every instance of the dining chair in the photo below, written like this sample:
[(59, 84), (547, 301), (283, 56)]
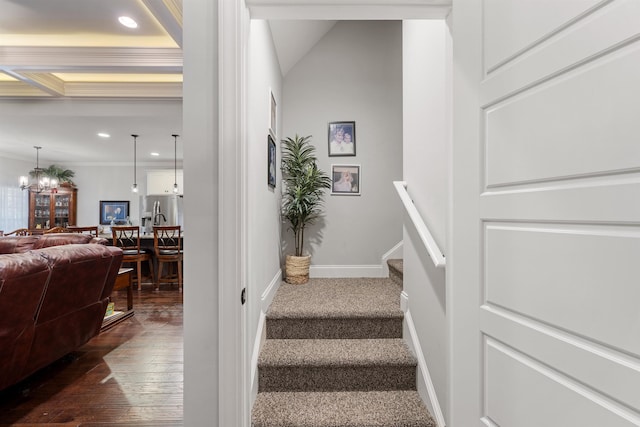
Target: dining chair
[(92, 230), (56, 230), (167, 250), (128, 239), (18, 232)]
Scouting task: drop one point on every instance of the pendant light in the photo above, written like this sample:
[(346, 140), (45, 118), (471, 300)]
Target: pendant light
[(134, 187), (175, 161), (41, 181)]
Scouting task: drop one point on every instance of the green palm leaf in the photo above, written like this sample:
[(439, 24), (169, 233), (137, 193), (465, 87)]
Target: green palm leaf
[(305, 185)]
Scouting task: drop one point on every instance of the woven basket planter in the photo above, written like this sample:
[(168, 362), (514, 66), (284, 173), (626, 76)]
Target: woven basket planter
[(297, 269)]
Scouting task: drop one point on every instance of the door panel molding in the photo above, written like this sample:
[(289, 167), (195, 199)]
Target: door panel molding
[(577, 357), (507, 369)]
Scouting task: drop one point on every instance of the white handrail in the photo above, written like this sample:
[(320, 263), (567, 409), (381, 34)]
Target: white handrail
[(427, 239)]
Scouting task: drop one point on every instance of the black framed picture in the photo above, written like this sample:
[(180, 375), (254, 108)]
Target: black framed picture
[(346, 180), (342, 139), (271, 162), (116, 211)]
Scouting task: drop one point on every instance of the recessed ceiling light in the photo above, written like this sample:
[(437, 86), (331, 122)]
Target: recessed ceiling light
[(104, 135), (128, 22), (155, 154)]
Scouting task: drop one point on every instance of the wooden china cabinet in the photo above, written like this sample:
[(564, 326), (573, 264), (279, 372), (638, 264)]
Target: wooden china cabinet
[(53, 208)]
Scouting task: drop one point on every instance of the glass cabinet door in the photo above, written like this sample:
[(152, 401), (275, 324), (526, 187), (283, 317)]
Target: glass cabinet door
[(42, 212), (61, 210)]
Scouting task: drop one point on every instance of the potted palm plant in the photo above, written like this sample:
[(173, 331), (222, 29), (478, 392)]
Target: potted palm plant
[(62, 175), (302, 200)]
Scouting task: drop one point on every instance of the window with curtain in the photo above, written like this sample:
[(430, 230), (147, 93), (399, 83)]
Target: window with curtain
[(14, 208)]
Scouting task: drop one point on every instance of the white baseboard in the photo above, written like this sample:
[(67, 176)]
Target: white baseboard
[(270, 291), (395, 252), (331, 271), (257, 345), (265, 302), (426, 389)]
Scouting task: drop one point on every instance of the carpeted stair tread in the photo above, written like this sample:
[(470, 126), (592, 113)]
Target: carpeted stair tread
[(335, 352), (336, 365), (337, 298), (341, 409)]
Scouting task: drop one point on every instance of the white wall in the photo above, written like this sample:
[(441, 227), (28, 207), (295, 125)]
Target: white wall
[(354, 73), (263, 201), (109, 182), (11, 169), (426, 169)]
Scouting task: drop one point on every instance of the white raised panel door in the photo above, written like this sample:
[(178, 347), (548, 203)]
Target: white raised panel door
[(160, 182), (543, 287)]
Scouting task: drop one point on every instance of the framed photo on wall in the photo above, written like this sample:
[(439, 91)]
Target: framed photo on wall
[(346, 180), (118, 211), (273, 118), (342, 139), (271, 162)]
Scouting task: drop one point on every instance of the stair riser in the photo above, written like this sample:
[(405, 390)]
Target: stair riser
[(354, 328), (335, 378), (396, 276)]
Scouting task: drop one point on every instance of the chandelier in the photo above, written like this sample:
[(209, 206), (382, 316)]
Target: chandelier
[(40, 181)]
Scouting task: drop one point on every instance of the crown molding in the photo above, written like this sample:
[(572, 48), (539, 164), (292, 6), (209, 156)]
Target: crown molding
[(90, 58), (46, 85), (124, 90)]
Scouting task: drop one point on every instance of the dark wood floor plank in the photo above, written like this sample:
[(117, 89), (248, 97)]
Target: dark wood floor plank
[(130, 375)]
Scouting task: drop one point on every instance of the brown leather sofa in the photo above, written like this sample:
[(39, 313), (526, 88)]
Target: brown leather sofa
[(53, 295)]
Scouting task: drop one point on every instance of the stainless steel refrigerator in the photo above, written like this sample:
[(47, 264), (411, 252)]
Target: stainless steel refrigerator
[(160, 210)]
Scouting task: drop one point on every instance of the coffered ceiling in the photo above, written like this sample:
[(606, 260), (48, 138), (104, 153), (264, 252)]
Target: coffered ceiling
[(79, 49), (69, 71)]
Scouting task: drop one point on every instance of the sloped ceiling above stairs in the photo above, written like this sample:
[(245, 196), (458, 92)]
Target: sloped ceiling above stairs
[(293, 39)]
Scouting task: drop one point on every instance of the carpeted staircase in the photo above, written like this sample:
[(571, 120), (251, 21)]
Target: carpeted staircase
[(334, 356)]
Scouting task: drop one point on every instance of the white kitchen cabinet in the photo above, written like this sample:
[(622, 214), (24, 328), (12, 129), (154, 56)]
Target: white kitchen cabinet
[(160, 182)]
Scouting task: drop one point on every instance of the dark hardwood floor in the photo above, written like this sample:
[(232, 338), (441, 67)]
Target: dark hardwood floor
[(129, 375)]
